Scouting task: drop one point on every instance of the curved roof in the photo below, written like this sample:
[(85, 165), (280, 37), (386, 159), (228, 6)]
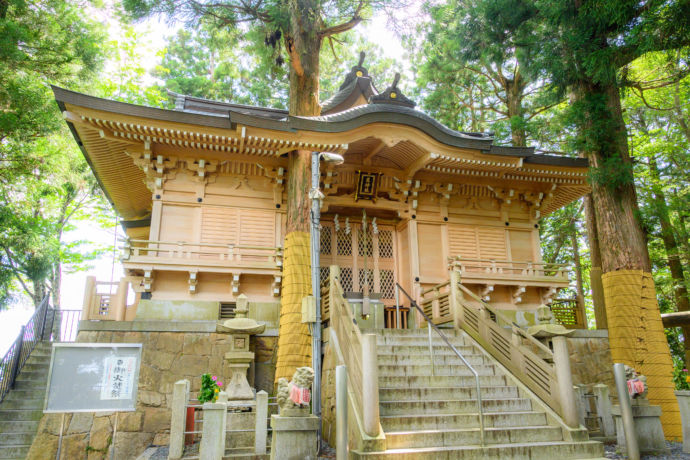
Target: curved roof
[(226, 115)]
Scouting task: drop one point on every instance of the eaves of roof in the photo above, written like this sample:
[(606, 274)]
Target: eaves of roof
[(333, 123)]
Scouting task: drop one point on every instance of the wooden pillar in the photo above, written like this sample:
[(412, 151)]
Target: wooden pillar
[(119, 304), (89, 294)]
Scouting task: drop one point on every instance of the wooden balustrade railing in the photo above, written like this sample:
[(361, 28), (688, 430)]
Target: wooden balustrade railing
[(532, 362), (567, 313), (468, 266), (232, 253), (104, 300), (437, 306), (325, 304), (359, 354)]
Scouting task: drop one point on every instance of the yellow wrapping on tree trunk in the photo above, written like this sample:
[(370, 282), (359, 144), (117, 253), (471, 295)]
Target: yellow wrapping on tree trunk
[(636, 337), (294, 339)]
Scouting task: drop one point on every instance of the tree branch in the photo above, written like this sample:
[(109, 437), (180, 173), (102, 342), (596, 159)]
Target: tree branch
[(345, 26)]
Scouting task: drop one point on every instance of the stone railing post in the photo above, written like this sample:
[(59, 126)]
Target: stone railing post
[(603, 403), (260, 433), (581, 400), (370, 385), (561, 361), (178, 420), (213, 432)]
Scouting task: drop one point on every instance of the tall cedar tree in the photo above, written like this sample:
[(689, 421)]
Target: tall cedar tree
[(474, 54), (300, 27), (584, 48)]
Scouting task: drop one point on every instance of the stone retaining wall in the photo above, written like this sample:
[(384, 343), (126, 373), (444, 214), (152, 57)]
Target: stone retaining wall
[(590, 358), (166, 358)]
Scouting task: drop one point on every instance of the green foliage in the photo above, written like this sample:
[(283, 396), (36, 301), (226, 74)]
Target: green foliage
[(226, 65), (44, 181), (210, 387)]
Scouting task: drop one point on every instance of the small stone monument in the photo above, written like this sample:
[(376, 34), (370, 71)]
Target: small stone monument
[(295, 431), (239, 357), (547, 327), (650, 435)]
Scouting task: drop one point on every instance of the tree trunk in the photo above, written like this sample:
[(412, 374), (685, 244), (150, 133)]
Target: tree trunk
[(303, 45), (636, 334), (514, 94), (579, 289), (595, 270), (680, 291)]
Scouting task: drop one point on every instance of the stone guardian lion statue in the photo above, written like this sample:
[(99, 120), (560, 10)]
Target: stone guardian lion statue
[(296, 393)]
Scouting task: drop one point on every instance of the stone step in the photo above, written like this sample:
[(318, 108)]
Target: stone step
[(20, 403), (437, 371), (472, 436), (18, 427), (407, 394), (427, 381), (16, 439), (423, 350), (444, 360), (468, 420), (411, 332), (31, 366), (457, 406), (532, 450), (14, 452), (27, 382), (20, 415), (23, 393), (413, 340), (41, 375)]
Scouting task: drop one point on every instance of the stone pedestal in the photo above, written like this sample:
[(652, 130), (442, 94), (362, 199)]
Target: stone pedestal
[(294, 438), (650, 435), (239, 357), (684, 405)]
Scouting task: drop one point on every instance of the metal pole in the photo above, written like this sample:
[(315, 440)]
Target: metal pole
[(316, 286), (397, 307), (431, 348), (62, 425), (341, 412), (112, 451), (626, 412)]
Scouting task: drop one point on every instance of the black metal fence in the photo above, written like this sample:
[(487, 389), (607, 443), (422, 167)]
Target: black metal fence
[(46, 324)]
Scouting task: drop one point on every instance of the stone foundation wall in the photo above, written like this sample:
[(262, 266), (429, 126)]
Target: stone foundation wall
[(590, 358), (166, 358)]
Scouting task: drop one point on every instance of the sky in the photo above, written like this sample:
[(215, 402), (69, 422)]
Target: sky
[(153, 34)]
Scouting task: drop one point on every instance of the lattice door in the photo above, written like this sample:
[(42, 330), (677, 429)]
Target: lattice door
[(348, 250)]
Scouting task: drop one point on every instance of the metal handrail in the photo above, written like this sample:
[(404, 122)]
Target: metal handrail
[(29, 336), (430, 325)]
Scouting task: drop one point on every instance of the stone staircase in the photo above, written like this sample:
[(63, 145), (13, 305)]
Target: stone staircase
[(435, 417), (22, 408)]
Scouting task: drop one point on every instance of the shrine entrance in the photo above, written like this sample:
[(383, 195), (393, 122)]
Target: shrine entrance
[(365, 254)]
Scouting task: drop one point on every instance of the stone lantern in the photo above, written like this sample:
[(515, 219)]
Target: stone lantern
[(239, 357)]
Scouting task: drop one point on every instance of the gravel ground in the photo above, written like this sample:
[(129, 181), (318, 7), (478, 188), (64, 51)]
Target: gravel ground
[(676, 452)]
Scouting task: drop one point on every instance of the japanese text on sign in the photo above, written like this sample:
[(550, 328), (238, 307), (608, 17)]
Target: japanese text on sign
[(118, 378)]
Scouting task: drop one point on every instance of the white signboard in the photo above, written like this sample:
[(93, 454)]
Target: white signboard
[(118, 377), (93, 377)]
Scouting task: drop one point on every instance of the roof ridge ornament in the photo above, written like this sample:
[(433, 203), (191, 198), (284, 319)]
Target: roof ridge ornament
[(392, 95), (355, 72)]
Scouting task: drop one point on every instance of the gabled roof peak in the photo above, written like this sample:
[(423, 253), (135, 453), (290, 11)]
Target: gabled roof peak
[(355, 72), (392, 95)]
